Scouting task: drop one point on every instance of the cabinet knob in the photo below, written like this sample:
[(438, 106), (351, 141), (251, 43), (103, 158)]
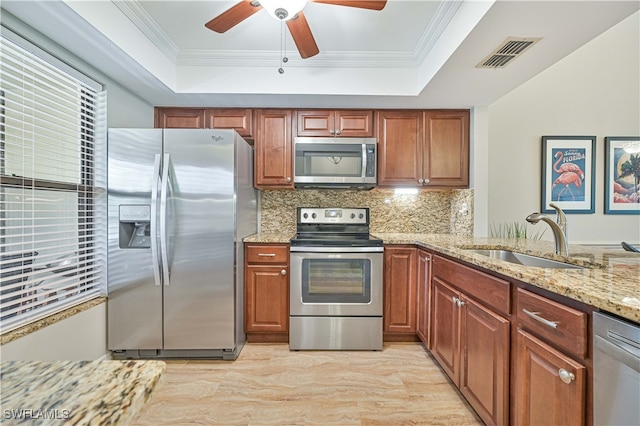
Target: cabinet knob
[(566, 376), (425, 181), (420, 181), (333, 132), (459, 303), (338, 132), (283, 272), (288, 179)]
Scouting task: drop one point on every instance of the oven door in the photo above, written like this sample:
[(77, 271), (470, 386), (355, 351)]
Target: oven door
[(334, 283)]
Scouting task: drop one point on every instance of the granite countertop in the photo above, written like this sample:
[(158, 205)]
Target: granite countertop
[(610, 280), (76, 392), (269, 237)]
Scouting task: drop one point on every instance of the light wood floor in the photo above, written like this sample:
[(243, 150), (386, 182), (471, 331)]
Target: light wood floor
[(268, 384)]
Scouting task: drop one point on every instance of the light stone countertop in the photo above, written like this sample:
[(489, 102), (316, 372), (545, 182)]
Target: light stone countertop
[(610, 280), (76, 392)]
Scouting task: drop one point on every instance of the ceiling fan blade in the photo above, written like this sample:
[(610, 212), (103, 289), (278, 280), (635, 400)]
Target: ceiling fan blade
[(362, 4), (301, 33), (233, 16)]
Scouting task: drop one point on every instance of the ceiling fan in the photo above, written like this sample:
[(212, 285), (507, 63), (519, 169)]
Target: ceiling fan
[(289, 11)]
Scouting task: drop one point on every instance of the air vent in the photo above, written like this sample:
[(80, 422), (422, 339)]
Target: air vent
[(510, 49)]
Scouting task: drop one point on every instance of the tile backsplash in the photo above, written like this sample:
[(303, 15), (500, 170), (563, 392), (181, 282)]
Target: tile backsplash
[(430, 212)]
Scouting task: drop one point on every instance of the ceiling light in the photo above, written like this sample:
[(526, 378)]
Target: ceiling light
[(632, 147), (283, 9)]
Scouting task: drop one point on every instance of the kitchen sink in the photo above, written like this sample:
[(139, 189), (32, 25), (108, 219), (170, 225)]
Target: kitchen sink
[(524, 259)]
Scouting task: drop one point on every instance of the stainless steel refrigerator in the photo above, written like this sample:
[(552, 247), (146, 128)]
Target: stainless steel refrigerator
[(180, 203)]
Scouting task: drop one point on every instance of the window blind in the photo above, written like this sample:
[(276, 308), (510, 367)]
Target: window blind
[(52, 187)]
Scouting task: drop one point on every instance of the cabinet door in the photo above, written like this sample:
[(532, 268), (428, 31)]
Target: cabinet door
[(400, 143), (424, 293), (353, 123), (446, 158), (179, 118), (445, 321), (542, 397), (266, 298), (400, 290), (239, 119), (273, 162), (484, 361), (315, 123)]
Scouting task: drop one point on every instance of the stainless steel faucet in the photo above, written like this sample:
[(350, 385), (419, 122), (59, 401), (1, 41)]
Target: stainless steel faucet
[(561, 220), (562, 247)]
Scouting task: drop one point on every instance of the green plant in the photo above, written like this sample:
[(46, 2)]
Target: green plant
[(513, 230)]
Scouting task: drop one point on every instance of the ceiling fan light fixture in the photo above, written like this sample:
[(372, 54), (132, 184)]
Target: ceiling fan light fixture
[(283, 10)]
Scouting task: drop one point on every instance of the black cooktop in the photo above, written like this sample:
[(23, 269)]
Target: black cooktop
[(336, 240)]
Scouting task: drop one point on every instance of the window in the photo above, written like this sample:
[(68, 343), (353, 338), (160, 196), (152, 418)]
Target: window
[(52, 185)]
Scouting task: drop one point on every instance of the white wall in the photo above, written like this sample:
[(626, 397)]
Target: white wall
[(595, 91), (77, 338)]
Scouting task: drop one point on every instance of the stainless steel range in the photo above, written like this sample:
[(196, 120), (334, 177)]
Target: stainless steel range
[(336, 281)]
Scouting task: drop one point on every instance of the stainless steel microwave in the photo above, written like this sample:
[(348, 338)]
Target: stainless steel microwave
[(334, 163)]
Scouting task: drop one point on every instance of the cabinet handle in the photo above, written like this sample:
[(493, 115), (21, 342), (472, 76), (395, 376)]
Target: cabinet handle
[(566, 376), (283, 272), (535, 316), (267, 254), (288, 179)]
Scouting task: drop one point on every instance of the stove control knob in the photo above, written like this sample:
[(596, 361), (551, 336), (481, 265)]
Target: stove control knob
[(313, 215), (306, 215), (361, 215), (353, 215)]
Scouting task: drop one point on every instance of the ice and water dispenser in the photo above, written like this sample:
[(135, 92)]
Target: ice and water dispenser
[(135, 226)]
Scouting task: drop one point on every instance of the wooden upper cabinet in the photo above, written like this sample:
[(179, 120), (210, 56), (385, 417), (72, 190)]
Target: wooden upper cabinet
[(400, 142), (231, 118), (446, 159), (423, 148), (179, 118), (273, 149), (334, 123)]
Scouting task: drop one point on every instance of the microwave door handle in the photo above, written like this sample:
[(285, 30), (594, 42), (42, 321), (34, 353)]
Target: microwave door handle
[(364, 160)]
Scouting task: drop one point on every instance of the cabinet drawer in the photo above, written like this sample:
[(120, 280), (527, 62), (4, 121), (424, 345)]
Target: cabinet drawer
[(267, 254), (558, 324), (488, 289)]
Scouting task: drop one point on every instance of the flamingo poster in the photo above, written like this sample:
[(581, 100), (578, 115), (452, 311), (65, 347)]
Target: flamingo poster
[(622, 175), (568, 173)]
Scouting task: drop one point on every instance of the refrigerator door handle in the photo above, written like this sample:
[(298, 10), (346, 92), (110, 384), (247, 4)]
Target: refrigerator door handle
[(154, 219), (166, 272)]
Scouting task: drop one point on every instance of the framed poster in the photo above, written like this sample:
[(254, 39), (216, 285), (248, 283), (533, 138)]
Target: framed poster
[(568, 169), (622, 175)]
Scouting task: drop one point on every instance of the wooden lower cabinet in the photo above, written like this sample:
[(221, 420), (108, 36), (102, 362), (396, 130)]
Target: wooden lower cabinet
[(484, 361), (267, 293), (400, 287), (424, 297), (472, 345), (550, 387)]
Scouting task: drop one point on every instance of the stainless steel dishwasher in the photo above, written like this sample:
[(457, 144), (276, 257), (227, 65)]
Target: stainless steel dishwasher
[(616, 371)]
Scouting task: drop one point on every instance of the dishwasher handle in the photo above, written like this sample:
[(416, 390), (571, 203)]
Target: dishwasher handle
[(617, 352)]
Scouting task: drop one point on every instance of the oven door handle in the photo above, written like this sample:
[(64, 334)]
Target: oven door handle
[(335, 249)]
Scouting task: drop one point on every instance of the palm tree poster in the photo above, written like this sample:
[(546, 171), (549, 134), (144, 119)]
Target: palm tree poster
[(568, 168), (622, 175)]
